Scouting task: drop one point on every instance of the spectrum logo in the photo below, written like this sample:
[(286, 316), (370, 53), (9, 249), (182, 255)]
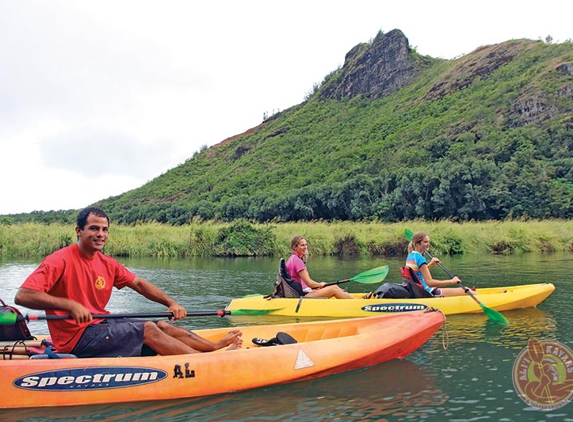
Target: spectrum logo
[(89, 378), (394, 307)]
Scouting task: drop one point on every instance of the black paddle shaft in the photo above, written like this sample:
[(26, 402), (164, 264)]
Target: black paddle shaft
[(220, 313), (451, 275)]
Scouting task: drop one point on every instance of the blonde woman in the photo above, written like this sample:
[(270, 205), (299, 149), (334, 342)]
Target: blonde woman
[(296, 268), (417, 262)]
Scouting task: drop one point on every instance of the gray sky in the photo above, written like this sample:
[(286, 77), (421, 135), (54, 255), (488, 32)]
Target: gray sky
[(100, 97)]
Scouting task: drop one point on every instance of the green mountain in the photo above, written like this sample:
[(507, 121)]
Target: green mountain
[(392, 135)]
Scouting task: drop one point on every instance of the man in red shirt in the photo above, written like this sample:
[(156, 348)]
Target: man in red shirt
[(77, 281)]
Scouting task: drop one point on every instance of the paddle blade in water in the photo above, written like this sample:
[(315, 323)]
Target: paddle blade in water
[(494, 315), (375, 275)]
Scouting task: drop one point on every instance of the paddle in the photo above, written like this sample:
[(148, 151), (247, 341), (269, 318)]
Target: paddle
[(375, 275), (490, 313), (12, 318)]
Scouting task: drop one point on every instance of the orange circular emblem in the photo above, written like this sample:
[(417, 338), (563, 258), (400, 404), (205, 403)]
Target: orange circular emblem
[(100, 283), (543, 374)]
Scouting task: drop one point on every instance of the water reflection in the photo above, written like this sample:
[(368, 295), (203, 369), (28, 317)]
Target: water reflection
[(398, 388), (469, 379), (524, 323)]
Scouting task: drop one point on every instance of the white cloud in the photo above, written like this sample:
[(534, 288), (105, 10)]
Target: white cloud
[(95, 153), (97, 98)]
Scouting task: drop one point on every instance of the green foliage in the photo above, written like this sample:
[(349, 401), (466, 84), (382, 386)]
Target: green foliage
[(243, 239), (448, 243), (201, 240), (347, 245), (46, 217), (324, 238), (33, 239), (6, 221), (467, 140)]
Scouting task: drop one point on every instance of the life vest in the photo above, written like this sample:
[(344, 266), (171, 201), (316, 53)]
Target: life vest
[(410, 278)]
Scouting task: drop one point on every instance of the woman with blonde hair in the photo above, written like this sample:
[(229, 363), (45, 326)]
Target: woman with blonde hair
[(417, 262), (296, 268)]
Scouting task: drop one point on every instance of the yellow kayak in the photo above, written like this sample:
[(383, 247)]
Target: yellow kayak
[(498, 298)]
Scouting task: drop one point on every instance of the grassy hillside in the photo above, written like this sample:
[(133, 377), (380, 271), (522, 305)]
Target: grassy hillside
[(486, 136)]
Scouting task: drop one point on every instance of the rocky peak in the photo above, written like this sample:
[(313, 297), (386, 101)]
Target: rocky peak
[(374, 70)]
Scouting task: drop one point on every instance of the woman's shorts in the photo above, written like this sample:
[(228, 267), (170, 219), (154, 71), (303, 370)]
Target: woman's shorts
[(111, 338), (436, 291)]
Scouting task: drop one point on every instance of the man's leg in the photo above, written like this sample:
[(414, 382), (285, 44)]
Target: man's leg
[(232, 339), (163, 343)]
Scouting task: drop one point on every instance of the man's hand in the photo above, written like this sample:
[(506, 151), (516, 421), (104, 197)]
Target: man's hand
[(178, 311), (79, 313)]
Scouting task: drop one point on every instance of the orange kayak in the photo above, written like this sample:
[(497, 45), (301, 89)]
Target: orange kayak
[(323, 348)]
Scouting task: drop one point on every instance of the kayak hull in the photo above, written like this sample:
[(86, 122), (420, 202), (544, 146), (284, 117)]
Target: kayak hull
[(498, 298), (322, 348)]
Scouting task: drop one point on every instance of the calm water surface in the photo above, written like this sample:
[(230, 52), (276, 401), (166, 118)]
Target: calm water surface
[(466, 375)]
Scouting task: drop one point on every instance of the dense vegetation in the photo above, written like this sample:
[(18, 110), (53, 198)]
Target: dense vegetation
[(466, 155), (455, 143), (342, 238)]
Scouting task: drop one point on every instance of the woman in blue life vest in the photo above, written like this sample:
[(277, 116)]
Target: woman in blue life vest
[(417, 262)]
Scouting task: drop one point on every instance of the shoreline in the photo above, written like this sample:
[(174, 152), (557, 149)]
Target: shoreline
[(339, 238)]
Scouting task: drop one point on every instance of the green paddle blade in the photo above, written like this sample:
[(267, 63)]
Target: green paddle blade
[(375, 275), (254, 312), (408, 233), (8, 318), (493, 315)]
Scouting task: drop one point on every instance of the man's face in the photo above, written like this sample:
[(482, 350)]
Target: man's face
[(94, 235)]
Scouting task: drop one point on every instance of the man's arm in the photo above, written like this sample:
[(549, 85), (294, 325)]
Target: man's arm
[(35, 299), (154, 293)]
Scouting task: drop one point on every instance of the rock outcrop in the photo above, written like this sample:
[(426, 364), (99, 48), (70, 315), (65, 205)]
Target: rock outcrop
[(373, 70)]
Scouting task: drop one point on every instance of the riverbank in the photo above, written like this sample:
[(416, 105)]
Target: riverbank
[(273, 239)]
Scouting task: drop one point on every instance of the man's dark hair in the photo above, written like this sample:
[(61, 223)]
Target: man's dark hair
[(83, 215)]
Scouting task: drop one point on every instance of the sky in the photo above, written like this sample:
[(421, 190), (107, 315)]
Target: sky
[(99, 97)]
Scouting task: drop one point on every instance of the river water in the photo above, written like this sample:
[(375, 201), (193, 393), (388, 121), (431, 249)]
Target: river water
[(465, 375)]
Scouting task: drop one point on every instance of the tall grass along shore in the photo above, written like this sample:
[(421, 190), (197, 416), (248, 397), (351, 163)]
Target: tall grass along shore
[(241, 238)]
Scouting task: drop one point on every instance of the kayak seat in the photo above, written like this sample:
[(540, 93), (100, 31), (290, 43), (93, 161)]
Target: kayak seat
[(285, 286), (411, 282)]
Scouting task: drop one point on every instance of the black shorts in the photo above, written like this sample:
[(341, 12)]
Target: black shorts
[(111, 338)]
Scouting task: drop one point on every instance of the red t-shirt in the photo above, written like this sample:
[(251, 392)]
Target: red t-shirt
[(68, 273)]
